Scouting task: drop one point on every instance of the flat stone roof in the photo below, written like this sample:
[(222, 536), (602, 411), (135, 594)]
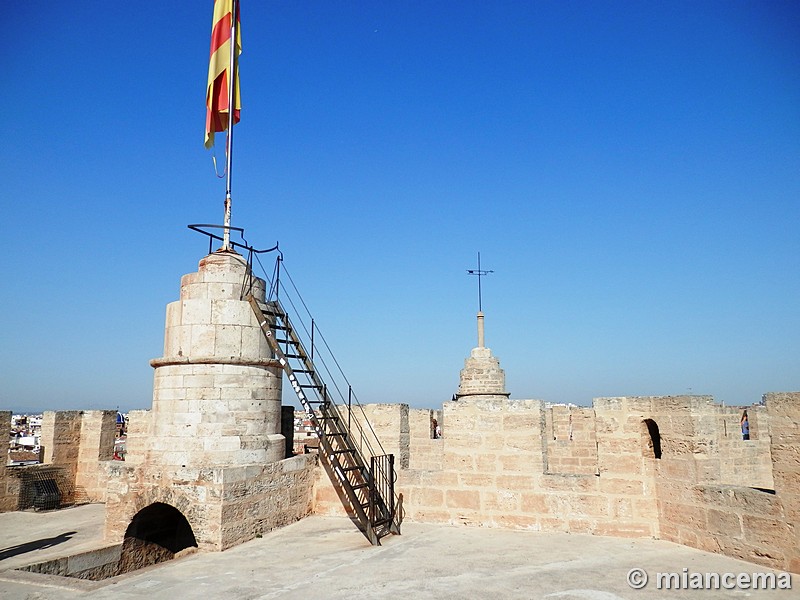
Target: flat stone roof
[(327, 558)]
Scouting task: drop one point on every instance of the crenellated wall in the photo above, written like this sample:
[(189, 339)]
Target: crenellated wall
[(490, 469), (98, 433), (671, 467), (699, 508), (79, 442), (427, 450)]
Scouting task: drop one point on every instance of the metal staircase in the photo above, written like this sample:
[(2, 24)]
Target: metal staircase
[(361, 471), (363, 477)]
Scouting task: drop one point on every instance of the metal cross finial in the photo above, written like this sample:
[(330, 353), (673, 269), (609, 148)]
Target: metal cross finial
[(480, 273)]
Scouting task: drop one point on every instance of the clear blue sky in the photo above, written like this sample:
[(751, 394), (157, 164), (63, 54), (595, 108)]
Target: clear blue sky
[(629, 170)]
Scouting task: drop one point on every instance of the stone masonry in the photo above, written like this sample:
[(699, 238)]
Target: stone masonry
[(526, 464), (481, 376), (211, 444), (9, 486)]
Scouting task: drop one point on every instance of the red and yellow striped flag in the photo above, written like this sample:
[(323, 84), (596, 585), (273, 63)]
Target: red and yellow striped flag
[(218, 70)]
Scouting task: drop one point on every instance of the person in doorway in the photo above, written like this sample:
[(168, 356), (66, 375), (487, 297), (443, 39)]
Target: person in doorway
[(437, 431), (745, 426)]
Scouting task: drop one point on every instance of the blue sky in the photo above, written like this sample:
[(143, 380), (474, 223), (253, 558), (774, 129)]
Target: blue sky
[(629, 170)]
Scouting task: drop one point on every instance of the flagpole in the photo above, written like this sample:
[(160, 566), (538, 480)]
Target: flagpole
[(226, 238)]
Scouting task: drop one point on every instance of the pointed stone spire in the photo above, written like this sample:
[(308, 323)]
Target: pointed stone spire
[(481, 376)]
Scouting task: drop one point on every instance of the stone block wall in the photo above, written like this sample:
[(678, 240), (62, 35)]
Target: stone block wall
[(61, 437), (78, 442), (570, 440), (784, 422), (389, 424), (258, 499), (698, 509), (191, 491), (425, 452), (216, 414), (658, 467), (9, 487), (97, 436), (745, 462), (488, 469), (140, 433), (224, 506)]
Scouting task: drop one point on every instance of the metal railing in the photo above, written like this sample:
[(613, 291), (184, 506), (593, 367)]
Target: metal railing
[(338, 390), (381, 487)]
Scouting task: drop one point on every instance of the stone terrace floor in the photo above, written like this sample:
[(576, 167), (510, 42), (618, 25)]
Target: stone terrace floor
[(327, 558)]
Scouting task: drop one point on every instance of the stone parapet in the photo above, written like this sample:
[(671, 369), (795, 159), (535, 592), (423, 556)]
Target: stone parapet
[(424, 450), (783, 409), (700, 457), (61, 436), (386, 424), (77, 442), (97, 437), (140, 434), (9, 488), (656, 466)]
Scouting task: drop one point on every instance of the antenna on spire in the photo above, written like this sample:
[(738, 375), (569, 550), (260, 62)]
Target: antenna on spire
[(480, 273)]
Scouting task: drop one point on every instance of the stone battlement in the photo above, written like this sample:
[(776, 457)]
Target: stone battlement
[(670, 467), (527, 464)]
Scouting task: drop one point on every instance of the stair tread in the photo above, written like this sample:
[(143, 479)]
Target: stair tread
[(375, 522)]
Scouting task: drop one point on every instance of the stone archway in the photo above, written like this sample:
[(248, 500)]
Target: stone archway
[(156, 533)]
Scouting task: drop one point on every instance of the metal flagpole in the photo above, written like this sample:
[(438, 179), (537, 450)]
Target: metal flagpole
[(226, 238)]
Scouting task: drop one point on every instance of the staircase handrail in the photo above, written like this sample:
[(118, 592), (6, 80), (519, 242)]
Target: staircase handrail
[(350, 401)]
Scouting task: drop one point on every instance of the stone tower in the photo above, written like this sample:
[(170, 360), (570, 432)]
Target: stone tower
[(217, 391), (208, 460)]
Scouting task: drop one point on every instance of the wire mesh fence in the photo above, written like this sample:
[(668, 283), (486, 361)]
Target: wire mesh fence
[(44, 487)]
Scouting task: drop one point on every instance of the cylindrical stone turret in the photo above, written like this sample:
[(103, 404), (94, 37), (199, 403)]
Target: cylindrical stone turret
[(217, 391)]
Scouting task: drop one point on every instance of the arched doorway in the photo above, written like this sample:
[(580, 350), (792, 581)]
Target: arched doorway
[(156, 533), (654, 442)]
